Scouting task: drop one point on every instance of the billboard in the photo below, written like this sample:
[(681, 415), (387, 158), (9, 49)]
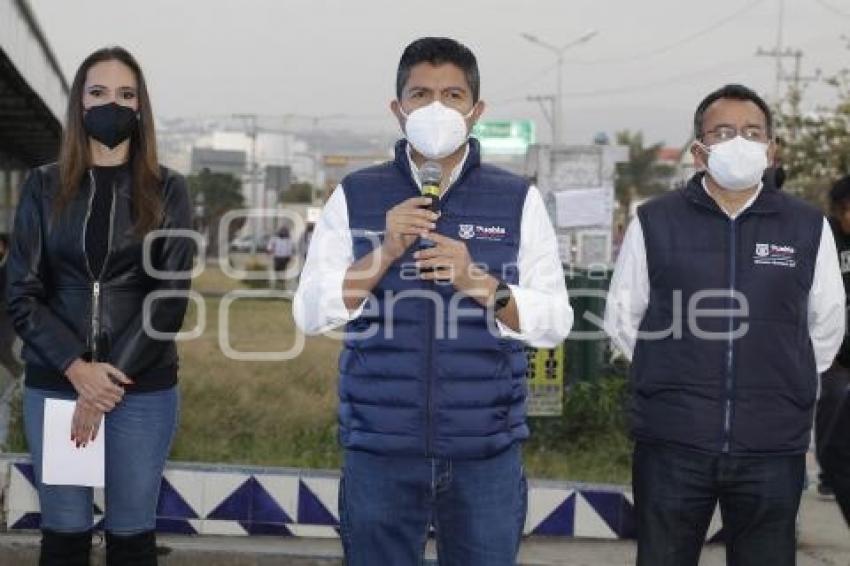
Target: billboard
[(504, 137)]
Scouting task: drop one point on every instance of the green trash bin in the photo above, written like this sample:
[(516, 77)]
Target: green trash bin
[(586, 346)]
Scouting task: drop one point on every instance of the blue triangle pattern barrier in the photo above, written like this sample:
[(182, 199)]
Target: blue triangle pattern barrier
[(311, 510), (30, 521), (280, 502), (237, 506), (561, 521), (26, 469), (250, 503), (265, 508), (610, 506), (172, 505)]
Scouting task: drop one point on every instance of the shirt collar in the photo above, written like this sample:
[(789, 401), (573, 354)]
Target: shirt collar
[(747, 204), (452, 178)]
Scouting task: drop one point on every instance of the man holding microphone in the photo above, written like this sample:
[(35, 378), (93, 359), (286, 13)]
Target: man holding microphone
[(437, 306)]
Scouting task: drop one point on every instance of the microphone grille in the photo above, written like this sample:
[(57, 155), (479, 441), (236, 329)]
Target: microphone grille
[(431, 173)]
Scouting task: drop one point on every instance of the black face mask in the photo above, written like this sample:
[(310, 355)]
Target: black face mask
[(110, 124)]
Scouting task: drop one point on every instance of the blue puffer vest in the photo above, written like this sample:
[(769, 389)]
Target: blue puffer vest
[(696, 384), (422, 373)]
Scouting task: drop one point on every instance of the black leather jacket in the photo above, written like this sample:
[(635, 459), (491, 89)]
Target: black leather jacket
[(63, 312)]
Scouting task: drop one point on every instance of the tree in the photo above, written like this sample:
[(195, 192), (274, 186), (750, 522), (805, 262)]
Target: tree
[(298, 192), (215, 194), (816, 146), (641, 175)]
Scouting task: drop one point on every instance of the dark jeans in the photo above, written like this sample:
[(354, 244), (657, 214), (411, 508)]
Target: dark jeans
[(676, 491), (387, 504), (832, 421)]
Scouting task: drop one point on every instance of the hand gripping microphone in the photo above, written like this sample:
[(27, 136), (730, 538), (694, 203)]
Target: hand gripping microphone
[(430, 174)]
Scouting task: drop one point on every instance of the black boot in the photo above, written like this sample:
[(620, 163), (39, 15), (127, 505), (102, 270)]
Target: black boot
[(64, 549), (131, 550)]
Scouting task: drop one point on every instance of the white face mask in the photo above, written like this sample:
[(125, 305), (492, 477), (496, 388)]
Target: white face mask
[(737, 164), (436, 131)]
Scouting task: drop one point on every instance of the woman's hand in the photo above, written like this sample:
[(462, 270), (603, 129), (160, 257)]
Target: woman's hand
[(85, 423), (98, 383)]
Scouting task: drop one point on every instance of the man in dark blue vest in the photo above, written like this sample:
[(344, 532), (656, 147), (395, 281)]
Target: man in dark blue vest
[(437, 306), (727, 294)]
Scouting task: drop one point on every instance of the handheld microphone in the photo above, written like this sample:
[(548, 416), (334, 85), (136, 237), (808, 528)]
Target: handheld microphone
[(430, 175)]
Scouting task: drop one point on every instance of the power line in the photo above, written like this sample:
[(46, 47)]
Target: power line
[(833, 9), (658, 51), (712, 27), (666, 81), (531, 79)]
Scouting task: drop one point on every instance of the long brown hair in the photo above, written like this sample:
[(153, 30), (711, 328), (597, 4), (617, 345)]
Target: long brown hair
[(75, 155)]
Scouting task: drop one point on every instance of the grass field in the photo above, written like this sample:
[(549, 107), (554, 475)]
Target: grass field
[(284, 413)]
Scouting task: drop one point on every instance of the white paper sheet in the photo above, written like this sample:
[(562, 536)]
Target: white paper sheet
[(62, 462)]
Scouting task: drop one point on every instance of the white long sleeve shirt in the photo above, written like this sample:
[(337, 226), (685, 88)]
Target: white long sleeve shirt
[(628, 296), (545, 314)]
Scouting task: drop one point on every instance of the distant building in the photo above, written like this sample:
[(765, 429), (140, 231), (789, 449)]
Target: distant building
[(278, 178), (336, 167), (681, 162), (219, 161)]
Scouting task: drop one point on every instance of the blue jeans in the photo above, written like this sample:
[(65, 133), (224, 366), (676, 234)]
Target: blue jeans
[(387, 504), (139, 431), (676, 491)]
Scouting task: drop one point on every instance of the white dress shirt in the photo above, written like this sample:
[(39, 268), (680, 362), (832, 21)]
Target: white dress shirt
[(545, 314), (628, 295)]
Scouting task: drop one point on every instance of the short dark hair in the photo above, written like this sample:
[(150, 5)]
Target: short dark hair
[(732, 92), (437, 51), (840, 191)]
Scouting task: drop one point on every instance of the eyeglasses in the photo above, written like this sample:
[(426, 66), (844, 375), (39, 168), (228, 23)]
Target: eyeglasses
[(726, 133)]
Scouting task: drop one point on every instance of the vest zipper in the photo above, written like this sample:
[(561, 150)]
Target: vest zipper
[(429, 403), (730, 350), (96, 281)]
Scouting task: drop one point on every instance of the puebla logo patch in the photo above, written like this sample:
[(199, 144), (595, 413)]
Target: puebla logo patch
[(480, 232), (775, 254)]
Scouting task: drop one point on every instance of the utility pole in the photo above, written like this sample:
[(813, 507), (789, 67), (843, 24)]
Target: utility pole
[(315, 123), (548, 112), (778, 54), (558, 113), (795, 80), (258, 202), (780, 33), (258, 193)]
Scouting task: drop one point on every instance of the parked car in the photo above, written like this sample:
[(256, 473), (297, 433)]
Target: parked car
[(248, 244)]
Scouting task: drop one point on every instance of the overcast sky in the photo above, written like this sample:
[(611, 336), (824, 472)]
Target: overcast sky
[(648, 67)]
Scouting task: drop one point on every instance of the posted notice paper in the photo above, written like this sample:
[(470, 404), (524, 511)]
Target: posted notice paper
[(62, 462)]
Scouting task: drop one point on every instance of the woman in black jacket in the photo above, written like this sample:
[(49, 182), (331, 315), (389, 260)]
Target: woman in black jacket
[(97, 287)]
